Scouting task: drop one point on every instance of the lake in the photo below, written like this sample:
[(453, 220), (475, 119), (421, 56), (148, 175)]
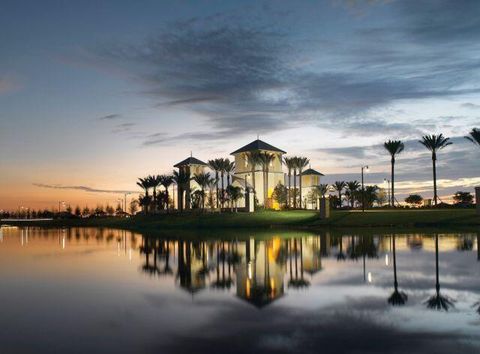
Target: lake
[(88, 290)]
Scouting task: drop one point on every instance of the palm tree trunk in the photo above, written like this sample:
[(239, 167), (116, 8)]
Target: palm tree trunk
[(300, 187), (289, 193), (434, 158), (166, 194), (393, 182), (294, 188), (340, 199), (216, 186), (265, 189), (223, 187)]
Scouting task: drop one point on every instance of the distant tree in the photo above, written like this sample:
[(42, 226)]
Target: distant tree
[(86, 212), (144, 202), (78, 211), (133, 206), (280, 195), (351, 192), (216, 165), (371, 195), (382, 197), (109, 210), (229, 169), (463, 197), (434, 143), (339, 186), (474, 136), (145, 184), (203, 180), (253, 159), (118, 209), (69, 210), (234, 193), (99, 210), (182, 180), (414, 199)]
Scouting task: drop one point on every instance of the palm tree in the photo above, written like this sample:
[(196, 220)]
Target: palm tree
[(290, 163), (166, 181), (397, 298), (229, 168), (322, 189), (434, 143), (394, 147), (338, 186), (295, 167), (352, 188), (302, 162), (203, 180), (253, 159), (438, 301), (265, 158), (474, 136), (216, 165), (234, 193), (145, 185), (154, 181), (182, 179)]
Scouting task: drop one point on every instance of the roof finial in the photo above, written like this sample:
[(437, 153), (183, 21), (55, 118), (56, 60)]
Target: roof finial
[(258, 136), (191, 153)]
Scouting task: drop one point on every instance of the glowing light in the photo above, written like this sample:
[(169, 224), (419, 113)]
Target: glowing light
[(387, 260), (369, 277), (249, 270), (64, 242)]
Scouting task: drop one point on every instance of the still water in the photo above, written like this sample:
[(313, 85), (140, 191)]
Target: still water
[(87, 290)]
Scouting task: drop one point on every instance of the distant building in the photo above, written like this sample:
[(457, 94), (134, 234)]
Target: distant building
[(254, 174), (310, 181)]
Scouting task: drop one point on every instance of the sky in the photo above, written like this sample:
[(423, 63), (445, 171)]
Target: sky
[(94, 94)]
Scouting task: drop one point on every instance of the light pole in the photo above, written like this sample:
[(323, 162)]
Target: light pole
[(389, 199), (363, 187), (59, 205)]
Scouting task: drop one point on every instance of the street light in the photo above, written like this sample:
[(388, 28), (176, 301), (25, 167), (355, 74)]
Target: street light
[(364, 168), (389, 199)]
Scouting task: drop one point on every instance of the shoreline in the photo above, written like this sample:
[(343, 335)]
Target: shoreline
[(300, 220)]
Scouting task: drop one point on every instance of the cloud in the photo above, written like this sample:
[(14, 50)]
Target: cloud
[(470, 105), (245, 77), (123, 128), (82, 188), (110, 117)]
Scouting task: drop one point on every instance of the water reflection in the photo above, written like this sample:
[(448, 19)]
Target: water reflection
[(282, 282)]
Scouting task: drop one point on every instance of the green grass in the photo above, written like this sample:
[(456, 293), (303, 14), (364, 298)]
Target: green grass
[(298, 219)]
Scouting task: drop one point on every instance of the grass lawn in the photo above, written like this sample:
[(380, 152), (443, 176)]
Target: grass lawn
[(282, 219)]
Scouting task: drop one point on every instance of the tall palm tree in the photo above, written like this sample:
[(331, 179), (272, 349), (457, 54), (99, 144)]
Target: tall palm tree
[(302, 162), (438, 301), (397, 298), (434, 143), (145, 185), (339, 186), (290, 163), (394, 147), (295, 168), (253, 159), (182, 179), (266, 158), (203, 179), (216, 165), (352, 188), (474, 136), (166, 181), (229, 168)]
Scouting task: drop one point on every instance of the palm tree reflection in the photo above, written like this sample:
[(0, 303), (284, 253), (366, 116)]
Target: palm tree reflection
[(398, 298), (438, 301), (296, 281)]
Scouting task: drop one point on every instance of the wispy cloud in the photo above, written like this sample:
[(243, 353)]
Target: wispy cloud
[(110, 117), (82, 188), (123, 128)]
